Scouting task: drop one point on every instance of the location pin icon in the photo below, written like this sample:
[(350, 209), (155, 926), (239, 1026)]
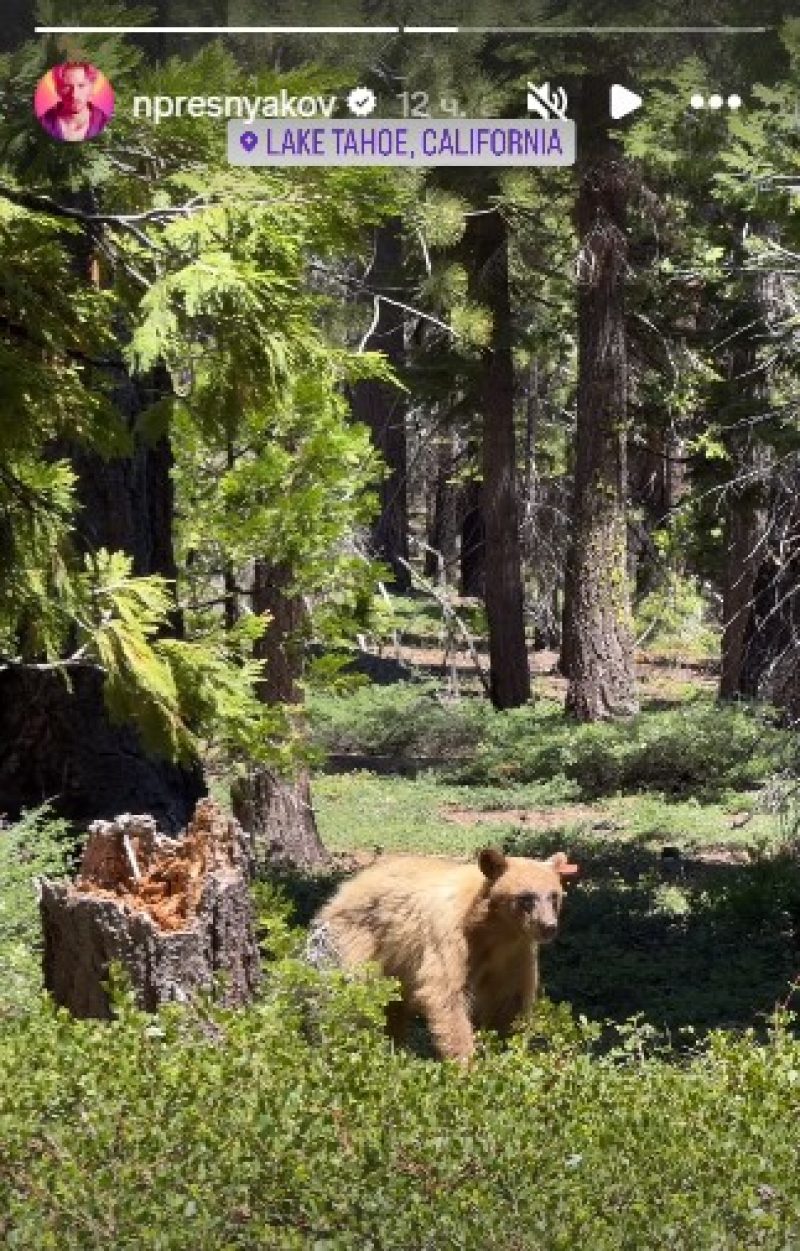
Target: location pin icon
[(248, 140)]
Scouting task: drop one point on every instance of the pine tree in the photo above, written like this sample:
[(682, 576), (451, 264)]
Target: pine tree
[(212, 287), (598, 639)]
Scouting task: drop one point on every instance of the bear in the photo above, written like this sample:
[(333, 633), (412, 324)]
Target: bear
[(461, 939)]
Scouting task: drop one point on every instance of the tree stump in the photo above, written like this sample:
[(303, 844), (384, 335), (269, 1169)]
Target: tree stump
[(278, 816), (174, 912)]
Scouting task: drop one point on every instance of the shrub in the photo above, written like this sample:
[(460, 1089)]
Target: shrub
[(701, 748), (402, 720), (207, 1128), (673, 620), (419, 617), (35, 846)]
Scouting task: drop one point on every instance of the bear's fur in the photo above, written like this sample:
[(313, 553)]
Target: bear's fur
[(461, 939)]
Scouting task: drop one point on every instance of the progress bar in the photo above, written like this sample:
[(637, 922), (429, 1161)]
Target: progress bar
[(554, 32), (606, 30), (217, 30)]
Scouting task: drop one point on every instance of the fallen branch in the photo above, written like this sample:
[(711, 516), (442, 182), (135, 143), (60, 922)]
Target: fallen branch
[(451, 616)]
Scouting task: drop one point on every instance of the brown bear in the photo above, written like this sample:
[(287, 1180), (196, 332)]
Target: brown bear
[(461, 939)]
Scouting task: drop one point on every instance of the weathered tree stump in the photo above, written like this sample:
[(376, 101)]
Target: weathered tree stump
[(278, 816), (175, 913)]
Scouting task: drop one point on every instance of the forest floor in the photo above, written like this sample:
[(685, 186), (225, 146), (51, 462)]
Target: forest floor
[(620, 1118), (687, 911)]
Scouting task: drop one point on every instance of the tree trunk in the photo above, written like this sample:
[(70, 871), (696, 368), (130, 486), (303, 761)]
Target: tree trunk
[(175, 913), (441, 555), (127, 503), (57, 744), (746, 395), (770, 667), (56, 740), (275, 810), (487, 241), (473, 543), (278, 816), (383, 408), (598, 651), (744, 530)]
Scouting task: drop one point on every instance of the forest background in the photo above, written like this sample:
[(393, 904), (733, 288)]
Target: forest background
[(412, 511)]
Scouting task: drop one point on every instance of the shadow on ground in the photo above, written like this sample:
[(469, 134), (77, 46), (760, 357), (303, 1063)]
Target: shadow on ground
[(679, 941)]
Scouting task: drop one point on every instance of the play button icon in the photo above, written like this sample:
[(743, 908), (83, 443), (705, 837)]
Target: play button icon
[(623, 101)]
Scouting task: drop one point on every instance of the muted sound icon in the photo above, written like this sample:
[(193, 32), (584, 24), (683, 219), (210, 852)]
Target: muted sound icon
[(547, 103)]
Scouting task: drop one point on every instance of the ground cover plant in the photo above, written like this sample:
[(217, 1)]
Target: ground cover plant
[(36, 845), (207, 1128), (364, 812), (693, 747), (653, 1102)]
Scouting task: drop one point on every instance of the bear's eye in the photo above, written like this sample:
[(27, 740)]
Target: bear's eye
[(526, 900), (555, 900)]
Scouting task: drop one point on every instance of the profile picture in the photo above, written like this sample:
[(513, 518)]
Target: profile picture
[(74, 101)]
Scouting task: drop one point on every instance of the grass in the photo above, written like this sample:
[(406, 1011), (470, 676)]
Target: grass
[(652, 1104), (688, 941), (687, 913), (686, 944), (691, 773), (362, 811)]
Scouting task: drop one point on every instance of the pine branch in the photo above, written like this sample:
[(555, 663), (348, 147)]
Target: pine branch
[(22, 334), (29, 498), (78, 660), (52, 208), (361, 288)]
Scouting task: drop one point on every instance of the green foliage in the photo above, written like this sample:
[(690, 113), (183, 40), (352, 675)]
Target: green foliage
[(440, 217), (216, 701), (700, 749), (407, 719), (37, 845), (128, 613), (268, 464), (673, 620), (182, 695), (51, 331), (419, 618), (213, 1128), (279, 937)]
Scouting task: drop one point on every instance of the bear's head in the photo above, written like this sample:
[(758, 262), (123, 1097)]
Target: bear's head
[(525, 895)]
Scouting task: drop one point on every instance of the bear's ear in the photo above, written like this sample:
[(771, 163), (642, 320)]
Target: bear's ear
[(561, 863), (492, 863)]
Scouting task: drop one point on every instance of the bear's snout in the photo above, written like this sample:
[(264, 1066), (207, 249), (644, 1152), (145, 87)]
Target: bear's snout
[(547, 931)]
